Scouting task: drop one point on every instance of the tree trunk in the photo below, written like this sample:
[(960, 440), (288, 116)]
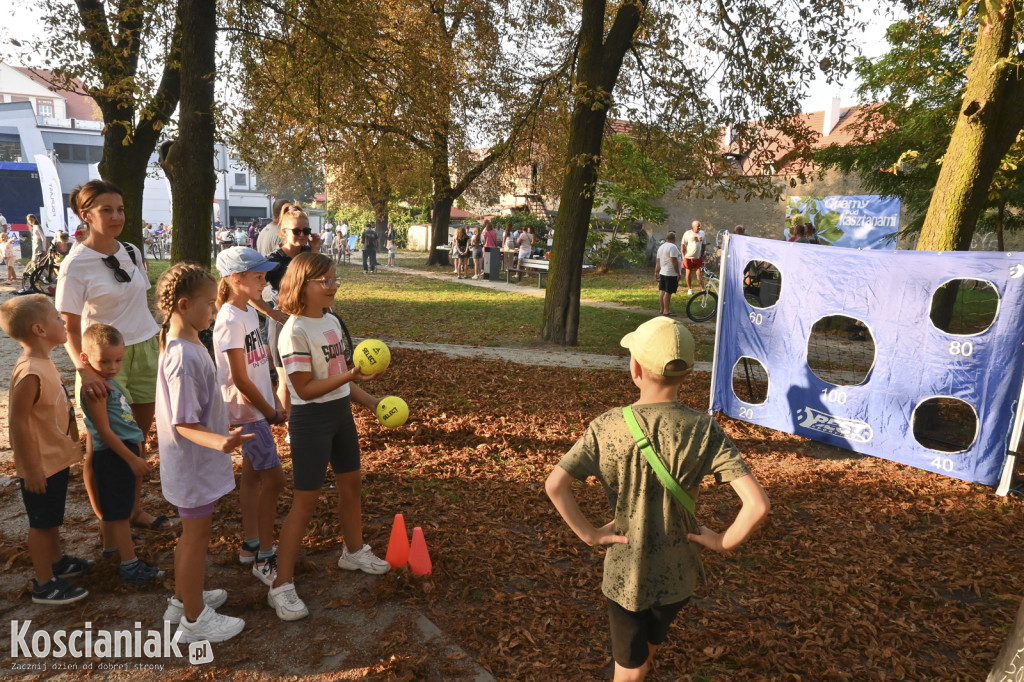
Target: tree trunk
[(597, 69), (991, 117), (1000, 218), (126, 167), (441, 216), (611, 243), (189, 160), (380, 214), (131, 133)]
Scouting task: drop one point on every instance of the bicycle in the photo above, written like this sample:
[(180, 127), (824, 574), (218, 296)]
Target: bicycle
[(702, 306), (41, 277), (156, 246)]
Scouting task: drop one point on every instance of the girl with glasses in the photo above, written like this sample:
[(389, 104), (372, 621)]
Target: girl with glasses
[(321, 425)]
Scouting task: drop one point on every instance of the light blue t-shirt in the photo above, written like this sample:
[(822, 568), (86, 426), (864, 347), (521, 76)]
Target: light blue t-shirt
[(119, 414)]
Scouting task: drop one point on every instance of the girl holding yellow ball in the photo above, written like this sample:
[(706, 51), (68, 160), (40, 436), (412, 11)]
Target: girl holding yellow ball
[(321, 427)]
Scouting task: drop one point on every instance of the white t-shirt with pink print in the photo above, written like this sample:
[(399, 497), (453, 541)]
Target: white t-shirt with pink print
[(313, 344)]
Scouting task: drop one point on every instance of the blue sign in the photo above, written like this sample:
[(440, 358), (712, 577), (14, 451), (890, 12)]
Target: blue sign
[(863, 221), (891, 293)]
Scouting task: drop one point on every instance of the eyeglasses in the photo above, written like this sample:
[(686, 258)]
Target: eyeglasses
[(119, 274), (298, 231), (328, 282)]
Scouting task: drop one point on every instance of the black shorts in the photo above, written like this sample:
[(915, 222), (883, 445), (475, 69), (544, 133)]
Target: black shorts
[(46, 510), (668, 284), (322, 434), (115, 483), (632, 631)]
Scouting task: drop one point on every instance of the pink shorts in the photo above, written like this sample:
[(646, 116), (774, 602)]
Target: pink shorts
[(196, 512)]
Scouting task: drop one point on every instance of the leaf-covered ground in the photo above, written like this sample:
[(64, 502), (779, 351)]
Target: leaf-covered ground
[(866, 570)]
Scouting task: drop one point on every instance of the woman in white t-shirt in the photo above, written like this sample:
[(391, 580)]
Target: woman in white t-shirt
[(102, 280), (38, 237)]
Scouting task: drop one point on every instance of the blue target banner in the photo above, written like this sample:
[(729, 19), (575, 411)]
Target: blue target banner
[(907, 361)]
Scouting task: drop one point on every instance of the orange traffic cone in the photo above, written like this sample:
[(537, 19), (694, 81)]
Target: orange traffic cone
[(398, 547), (419, 558)]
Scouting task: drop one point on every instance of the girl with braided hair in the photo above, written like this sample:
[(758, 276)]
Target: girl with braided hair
[(195, 446)]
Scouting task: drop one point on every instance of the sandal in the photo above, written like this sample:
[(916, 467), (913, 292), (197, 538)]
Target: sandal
[(137, 542), (161, 522)]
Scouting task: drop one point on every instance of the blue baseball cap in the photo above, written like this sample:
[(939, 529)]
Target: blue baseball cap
[(242, 259)]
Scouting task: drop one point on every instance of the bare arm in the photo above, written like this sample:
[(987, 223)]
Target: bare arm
[(677, 267), (200, 435), (90, 379), (23, 397), (308, 388), (753, 510), (559, 489), (364, 398), (265, 308), (96, 405), (240, 375)]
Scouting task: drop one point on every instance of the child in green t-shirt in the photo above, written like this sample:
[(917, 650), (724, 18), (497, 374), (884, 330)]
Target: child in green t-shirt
[(653, 557)]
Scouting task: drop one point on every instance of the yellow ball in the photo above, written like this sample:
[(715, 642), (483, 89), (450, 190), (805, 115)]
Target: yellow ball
[(372, 356), (392, 412)]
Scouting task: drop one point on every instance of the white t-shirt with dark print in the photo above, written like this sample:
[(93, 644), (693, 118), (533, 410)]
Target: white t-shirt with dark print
[(237, 328), (313, 344)]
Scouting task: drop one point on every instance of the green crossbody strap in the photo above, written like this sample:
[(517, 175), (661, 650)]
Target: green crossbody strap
[(654, 460)]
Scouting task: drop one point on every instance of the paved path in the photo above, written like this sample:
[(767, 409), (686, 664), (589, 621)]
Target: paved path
[(540, 357)]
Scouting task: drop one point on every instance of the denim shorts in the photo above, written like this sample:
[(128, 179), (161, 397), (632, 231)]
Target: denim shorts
[(261, 451)]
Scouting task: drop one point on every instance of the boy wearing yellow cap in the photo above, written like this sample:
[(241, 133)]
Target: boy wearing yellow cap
[(653, 557)]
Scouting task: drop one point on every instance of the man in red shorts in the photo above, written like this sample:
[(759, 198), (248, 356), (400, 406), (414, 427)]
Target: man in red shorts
[(693, 255)]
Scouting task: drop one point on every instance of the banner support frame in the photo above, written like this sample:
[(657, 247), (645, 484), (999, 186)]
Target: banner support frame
[(1010, 460), (718, 317)]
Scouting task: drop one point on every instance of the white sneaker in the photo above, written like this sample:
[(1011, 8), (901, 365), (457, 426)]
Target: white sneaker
[(211, 626), (689, 292), (363, 560), (175, 609), (286, 602), (266, 570)]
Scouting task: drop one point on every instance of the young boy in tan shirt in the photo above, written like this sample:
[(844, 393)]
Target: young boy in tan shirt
[(653, 558), (44, 438)]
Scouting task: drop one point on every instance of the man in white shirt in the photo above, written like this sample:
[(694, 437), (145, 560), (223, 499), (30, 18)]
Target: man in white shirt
[(3, 223), (693, 255), (667, 271)]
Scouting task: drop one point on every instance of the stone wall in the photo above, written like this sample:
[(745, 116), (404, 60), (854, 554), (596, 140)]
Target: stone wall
[(761, 217), (766, 218)]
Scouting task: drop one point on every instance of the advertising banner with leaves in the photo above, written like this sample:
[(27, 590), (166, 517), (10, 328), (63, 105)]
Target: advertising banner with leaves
[(863, 221)]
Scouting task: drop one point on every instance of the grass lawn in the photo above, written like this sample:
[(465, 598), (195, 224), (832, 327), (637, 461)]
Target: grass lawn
[(392, 305)]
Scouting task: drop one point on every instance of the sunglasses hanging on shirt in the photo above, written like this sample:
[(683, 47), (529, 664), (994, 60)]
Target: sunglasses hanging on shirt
[(120, 274)]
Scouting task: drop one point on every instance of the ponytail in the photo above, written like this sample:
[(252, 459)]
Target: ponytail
[(224, 291)]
